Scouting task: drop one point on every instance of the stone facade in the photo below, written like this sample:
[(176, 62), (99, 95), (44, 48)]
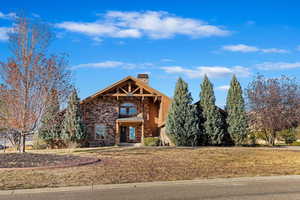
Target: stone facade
[(105, 111)]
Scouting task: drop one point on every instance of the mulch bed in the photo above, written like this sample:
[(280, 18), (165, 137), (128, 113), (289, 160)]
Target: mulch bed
[(12, 161)]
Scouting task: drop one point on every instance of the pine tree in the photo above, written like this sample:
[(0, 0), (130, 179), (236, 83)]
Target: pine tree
[(50, 129), (235, 107), (73, 129), (195, 135), (214, 126), (182, 121)]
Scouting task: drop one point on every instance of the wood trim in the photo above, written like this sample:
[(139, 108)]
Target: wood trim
[(123, 90), (137, 82), (117, 134), (130, 95), (129, 87), (142, 136), (136, 90)]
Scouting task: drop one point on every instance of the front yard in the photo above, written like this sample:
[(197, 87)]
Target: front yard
[(124, 165)]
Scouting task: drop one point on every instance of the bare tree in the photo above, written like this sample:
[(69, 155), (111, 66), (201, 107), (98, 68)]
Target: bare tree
[(274, 105), (29, 76)]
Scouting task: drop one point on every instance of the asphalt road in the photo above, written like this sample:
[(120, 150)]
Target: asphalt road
[(260, 188)]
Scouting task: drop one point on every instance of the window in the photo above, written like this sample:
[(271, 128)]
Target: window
[(100, 131), (128, 109), (131, 133)]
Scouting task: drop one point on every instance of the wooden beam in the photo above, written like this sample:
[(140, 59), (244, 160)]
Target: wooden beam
[(129, 87), (118, 92), (124, 90), (135, 90), (117, 135), (142, 134), (134, 95)]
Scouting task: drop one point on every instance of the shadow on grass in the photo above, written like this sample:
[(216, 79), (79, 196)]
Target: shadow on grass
[(24, 160), (128, 150)]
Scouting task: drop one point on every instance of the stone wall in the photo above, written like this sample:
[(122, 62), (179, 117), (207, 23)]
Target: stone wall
[(105, 110), (100, 111)]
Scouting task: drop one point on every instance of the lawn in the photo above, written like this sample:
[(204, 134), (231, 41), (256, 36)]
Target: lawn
[(34, 160), (124, 165)]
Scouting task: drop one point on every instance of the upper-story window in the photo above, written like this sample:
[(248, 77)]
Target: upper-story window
[(128, 109)]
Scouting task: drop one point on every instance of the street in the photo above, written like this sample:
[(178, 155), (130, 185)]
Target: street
[(258, 188)]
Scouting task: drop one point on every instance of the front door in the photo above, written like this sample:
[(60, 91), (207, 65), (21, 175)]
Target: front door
[(123, 134)]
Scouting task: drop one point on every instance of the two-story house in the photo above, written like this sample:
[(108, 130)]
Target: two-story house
[(125, 112)]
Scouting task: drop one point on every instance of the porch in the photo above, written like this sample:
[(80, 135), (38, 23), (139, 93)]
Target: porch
[(129, 130)]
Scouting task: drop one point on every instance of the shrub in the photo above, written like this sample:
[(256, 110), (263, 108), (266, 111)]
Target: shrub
[(151, 141), (38, 143), (295, 143), (252, 138), (288, 135)]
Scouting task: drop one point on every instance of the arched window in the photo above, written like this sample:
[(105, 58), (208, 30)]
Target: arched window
[(128, 109)]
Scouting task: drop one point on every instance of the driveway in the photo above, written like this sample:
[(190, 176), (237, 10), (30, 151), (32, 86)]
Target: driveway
[(258, 188)]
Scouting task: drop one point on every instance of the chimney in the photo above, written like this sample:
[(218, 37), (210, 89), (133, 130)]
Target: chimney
[(144, 78)]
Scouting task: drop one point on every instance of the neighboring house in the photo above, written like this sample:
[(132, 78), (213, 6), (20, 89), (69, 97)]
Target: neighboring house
[(125, 112)]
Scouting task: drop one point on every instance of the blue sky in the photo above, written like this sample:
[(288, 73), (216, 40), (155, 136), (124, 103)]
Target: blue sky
[(110, 39)]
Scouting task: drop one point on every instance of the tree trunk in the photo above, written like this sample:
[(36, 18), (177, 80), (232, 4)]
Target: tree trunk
[(22, 143), (272, 138), (4, 144)]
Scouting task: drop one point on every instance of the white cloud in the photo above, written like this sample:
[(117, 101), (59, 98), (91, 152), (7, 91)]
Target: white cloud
[(155, 25), (99, 30), (240, 48), (97, 39), (105, 64), (211, 71), (246, 48), (36, 15), (166, 60), (113, 64), (4, 33), (274, 50), (10, 15), (223, 87), (277, 65)]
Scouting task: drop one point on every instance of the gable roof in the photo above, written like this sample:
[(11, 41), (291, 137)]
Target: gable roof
[(136, 80)]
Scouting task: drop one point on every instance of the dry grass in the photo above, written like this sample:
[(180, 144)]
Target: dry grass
[(123, 165), (31, 160)]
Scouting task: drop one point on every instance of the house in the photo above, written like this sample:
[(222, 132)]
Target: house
[(125, 112)]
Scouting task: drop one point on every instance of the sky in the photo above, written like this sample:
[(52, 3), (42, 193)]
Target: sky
[(108, 40)]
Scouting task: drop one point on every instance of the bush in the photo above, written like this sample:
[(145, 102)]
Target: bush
[(288, 135), (295, 143), (151, 141), (38, 143), (252, 138)]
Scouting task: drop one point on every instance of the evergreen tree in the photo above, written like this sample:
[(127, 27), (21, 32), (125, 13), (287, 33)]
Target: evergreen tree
[(214, 125), (235, 107), (50, 129), (182, 122), (194, 133), (73, 129)]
